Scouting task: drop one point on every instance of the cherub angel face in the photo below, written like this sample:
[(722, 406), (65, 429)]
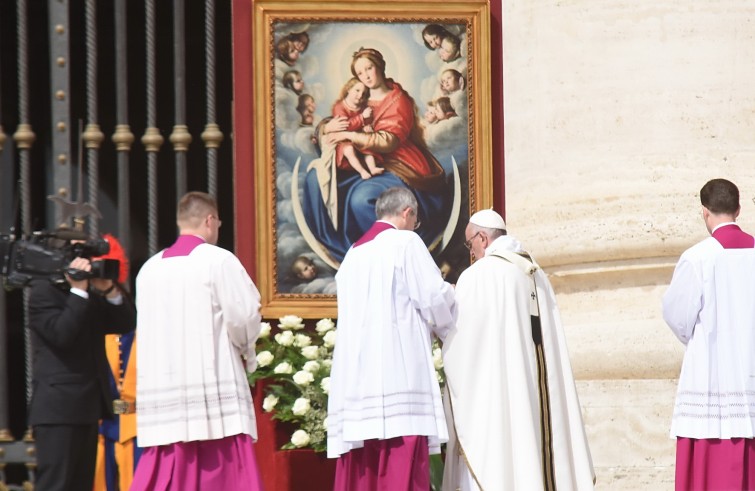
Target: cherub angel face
[(292, 54), (297, 84), (309, 104), (449, 82), (305, 269), (448, 50), (440, 115), (432, 40), (430, 115)]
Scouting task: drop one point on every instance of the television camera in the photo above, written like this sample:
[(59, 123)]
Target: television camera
[(47, 255)]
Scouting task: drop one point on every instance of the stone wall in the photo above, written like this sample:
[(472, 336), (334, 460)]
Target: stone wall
[(616, 113)]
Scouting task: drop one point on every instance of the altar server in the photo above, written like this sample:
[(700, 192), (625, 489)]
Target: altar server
[(198, 317), (385, 414), (709, 306)]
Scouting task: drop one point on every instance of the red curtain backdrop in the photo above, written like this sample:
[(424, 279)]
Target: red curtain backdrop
[(287, 470)]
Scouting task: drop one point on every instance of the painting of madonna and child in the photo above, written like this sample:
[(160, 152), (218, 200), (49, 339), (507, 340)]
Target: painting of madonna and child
[(360, 108)]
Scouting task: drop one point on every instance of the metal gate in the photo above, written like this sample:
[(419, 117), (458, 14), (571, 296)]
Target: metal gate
[(120, 104)]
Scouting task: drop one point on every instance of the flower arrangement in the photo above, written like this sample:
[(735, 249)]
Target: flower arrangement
[(298, 365)]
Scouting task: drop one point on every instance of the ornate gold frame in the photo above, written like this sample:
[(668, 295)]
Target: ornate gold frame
[(475, 14)]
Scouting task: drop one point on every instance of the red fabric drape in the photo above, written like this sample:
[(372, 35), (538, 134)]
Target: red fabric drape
[(287, 470)]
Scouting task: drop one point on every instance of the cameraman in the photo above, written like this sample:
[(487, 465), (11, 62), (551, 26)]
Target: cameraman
[(70, 385)]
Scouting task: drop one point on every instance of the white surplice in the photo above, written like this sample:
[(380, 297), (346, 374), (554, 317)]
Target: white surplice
[(492, 382), (383, 384), (197, 315), (710, 307)]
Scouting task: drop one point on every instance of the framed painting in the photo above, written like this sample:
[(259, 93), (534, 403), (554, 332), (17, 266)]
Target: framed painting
[(350, 99)]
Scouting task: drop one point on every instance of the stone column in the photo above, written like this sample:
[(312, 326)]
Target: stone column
[(616, 114)]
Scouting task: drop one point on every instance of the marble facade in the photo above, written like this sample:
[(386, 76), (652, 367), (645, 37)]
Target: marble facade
[(616, 113)]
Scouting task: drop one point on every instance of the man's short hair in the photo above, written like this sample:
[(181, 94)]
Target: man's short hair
[(194, 206), (720, 196), (393, 201)]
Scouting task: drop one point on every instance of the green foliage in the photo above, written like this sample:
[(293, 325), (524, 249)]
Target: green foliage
[(436, 472), (297, 367)]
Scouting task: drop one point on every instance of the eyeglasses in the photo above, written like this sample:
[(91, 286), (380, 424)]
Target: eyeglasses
[(413, 212), (468, 243)]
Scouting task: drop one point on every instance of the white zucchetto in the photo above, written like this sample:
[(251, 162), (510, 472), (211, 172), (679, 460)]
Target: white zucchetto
[(488, 219)]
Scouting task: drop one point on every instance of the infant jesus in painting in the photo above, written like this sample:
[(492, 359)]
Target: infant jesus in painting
[(352, 104)]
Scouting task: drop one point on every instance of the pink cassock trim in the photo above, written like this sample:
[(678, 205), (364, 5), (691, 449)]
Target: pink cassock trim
[(373, 231), (228, 464), (401, 463), (732, 237), (708, 464), (183, 246)]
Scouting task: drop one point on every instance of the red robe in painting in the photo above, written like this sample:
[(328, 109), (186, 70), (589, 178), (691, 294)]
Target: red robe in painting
[(403, 150)]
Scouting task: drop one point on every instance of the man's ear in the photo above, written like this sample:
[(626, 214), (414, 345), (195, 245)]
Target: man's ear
[(736, 215)]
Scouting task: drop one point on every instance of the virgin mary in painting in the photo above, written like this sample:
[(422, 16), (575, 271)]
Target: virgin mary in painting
[(337, 219)]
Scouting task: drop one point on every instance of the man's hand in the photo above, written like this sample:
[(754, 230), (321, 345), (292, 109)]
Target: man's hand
[(105, 285), (82, 265)]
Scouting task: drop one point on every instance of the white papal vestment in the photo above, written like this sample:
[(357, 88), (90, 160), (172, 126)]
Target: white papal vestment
[(391, 298), (191, 381), (492, 383)]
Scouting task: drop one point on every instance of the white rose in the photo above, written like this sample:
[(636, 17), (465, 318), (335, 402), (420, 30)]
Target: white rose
[(310, 352), (329, 340), (439, 377), (303, 378), (291, 322), (268, 404), (301, 406), (265, 358), (265, 329), (325, 385), (284, 367), (285, 338), (311, 366), (302, 340), (300, 438), (325, 424), (327, 363), (437, 359), (324, 325)]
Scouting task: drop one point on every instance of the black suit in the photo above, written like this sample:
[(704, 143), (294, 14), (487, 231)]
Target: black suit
[(70, 385)]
